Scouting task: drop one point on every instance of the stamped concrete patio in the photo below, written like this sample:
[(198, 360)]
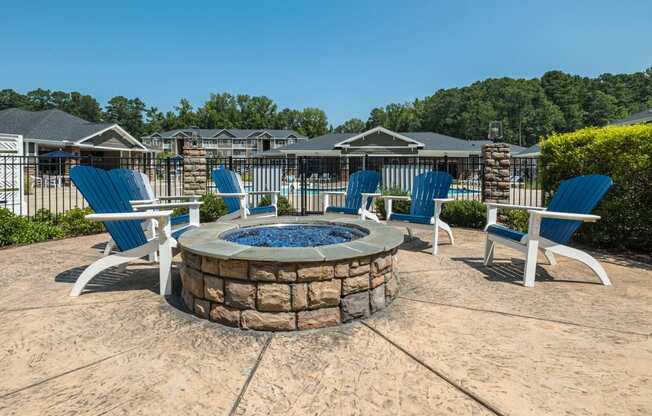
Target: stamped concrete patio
[(460, 339)]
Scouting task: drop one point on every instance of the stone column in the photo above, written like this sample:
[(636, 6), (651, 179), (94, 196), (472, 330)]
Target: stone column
[(496, 184), (194, 167)]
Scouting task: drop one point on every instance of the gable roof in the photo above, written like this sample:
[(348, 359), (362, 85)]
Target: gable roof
[(432, 142), (239, 133), (644, 116), (55, 125)]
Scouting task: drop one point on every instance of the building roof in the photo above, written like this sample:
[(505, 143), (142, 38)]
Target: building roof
[(58, 126), (430, 141), (532, 151), (644, 116), (55, 125), (208, 133)]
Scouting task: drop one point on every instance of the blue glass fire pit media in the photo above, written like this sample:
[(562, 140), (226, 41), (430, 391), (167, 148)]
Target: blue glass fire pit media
[(294, 235)]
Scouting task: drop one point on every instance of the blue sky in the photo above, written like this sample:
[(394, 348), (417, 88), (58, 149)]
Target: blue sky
[(345, 57)]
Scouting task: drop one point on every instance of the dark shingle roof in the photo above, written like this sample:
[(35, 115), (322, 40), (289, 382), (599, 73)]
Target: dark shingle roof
[(531, 151), (644, 116), (52, 124), (430, 140), (207, 133)]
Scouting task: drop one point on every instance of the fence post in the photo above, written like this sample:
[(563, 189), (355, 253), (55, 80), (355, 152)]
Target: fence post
[(168, 177), (304, 184), (194, 167), (230, 162)]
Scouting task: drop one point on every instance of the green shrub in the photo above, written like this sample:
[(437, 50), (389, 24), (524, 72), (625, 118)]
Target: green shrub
[(212, 208), (400, 207), (283, 205), (515, 219), (625, 154), (73, 223), (471, 214), (15, 229)]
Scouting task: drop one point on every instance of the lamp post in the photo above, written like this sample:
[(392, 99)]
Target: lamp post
[(495, 131)]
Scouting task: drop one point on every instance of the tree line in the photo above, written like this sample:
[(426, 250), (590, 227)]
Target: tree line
[(219, 111), (528, 108)]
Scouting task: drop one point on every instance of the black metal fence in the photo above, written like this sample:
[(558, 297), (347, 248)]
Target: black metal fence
[(29, 184)]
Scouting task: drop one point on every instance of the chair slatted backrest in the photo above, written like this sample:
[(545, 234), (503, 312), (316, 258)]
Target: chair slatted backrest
[(132, 181), (364, 181), (226, 181), (104, 196), (426, 187), (579, 195)]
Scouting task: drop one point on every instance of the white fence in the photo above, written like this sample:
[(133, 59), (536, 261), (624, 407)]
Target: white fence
[(11, 172)]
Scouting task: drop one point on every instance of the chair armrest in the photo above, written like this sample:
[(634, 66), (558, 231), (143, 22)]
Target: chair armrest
[(368, 194), (442, 200), (170, 205), (129, 216), (565, 216), (264, 192), (143, 201), (333, 192), (512, 206), (231, 195), (397, 197), (172, 198)]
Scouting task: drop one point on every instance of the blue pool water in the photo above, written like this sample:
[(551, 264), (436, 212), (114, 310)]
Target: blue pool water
[(294, 235)]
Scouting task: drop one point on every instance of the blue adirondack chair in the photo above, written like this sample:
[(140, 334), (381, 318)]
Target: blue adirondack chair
[(141, 193), (231, 188), (550, 229), (360, 194), (109, 198), (429, 193)]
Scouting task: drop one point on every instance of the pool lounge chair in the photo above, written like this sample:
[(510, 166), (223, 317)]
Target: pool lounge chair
[(360, 194), (550, 229), (230, 187), (107, 196), (429, 193)]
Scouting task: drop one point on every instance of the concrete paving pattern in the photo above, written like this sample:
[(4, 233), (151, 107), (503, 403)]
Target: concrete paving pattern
[(460, 339)]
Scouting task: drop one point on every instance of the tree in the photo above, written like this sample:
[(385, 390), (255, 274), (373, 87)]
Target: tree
[(354, 125), (313, 122), (11, 99), (128, 113)]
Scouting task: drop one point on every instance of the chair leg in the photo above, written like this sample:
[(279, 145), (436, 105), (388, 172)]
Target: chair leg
[(111, 261), (489, 248), (435, 237), (551, 257), (108, 247), (530, 263), (444, 226), (587, 259)]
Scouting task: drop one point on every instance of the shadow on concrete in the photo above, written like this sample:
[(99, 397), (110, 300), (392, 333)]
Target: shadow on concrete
[(111, 280), (511, 271)]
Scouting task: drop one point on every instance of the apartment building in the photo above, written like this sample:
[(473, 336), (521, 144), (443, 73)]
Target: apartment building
[(238, 143)]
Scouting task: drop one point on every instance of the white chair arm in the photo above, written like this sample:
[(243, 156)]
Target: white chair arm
[(171, 205), (512, 206), (142, 201), (264, 192), (333, 192), (172, 198), (370, 194), (397, 197), (129, 216), (442, 200), (231, 195), (565, 216)]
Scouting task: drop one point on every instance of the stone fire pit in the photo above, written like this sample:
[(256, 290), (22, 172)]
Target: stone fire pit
[(289, 288)]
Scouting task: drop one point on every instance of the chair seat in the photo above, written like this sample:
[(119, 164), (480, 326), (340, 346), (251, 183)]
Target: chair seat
[(416, 219), (180, 219), (261, 210), (343, 210), (502, 231)]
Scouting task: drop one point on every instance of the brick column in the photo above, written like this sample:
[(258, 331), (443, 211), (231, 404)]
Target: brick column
[(496, 184), (194, 168)]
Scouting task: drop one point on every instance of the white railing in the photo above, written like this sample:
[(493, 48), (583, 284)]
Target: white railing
[(11, 172)]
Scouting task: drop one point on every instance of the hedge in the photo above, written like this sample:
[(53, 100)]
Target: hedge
[(625, 154), (15, 229)]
